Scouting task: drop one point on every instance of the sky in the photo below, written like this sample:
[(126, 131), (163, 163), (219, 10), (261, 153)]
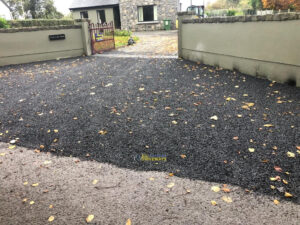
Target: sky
[(63, 6)]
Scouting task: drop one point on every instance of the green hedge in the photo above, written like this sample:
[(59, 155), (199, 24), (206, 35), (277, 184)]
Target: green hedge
[(39, 23), (3, 23)]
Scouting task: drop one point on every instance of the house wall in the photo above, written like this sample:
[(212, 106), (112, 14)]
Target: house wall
[(32, 44), (167, 9), (263, 46), (109, 14)]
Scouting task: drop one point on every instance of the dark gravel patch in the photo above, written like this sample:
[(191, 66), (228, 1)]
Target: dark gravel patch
[(128, 99)]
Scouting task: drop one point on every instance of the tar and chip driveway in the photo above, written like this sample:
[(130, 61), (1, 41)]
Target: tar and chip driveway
[(79, 127)]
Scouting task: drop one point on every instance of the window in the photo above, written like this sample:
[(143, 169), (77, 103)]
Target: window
[(84, 15), (147, 13), (101, 16)]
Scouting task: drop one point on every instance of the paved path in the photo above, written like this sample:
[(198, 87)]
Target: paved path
[(159, 43), (229, 140)]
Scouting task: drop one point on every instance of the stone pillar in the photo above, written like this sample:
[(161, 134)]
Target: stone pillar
[(182, 16), (86, 37)]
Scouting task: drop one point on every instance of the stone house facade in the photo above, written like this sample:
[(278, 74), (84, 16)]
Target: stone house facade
[(134, 15)]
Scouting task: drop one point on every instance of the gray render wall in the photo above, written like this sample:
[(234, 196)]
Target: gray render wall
[(167, 9)]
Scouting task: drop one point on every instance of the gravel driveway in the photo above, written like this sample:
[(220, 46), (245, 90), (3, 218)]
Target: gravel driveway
[(79, 127)]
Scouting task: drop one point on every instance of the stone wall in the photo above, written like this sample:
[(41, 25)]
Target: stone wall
[(167, 9), (32, 44), (262, 46)]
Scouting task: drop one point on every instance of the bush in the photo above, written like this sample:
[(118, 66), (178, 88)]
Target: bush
[(123, 33), (231, 12), (3, 23), (39, 23)]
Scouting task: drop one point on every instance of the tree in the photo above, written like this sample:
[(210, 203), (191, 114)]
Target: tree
[(281, 4), (35, 9), (256, 4)]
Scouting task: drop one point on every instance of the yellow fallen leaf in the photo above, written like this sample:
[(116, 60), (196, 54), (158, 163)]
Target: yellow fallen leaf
[(213, 203), (24, 200), (2, 154), (215, 188), (227, 199), (276, 202), (171, 174), (128, 222), (95, 182), (151, 178), (12, 147), (272, 187), (249, 104), (285, 181), (35, 185), (170, 185), (251, 150), (90, 218), (214, 118), (55, 131), (51, 218), (25, 183), (290, 154), (274, 178), (268, 125), (298, 151), (174, 122), (47, 162), (42, 146), (141, 89), (102, 132), (31, 203), (288, 195), (50, 206)]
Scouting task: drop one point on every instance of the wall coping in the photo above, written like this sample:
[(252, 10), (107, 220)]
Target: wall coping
[(191, 13), (255, 18), (30, 29)]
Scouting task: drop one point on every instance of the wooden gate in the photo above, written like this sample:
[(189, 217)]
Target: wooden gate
[(102, 36)]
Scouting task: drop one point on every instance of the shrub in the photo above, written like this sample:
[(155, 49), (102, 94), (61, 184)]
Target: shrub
[(231, 12), (3, 23), (123, 33), (39, 23)]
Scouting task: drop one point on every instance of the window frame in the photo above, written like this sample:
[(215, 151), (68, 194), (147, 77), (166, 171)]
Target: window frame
[(82, 13), (140, 12)]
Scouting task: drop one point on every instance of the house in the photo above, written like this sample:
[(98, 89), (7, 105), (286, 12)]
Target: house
[(134, 15)]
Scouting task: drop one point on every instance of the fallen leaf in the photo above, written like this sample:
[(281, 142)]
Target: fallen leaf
[(55, 131), (215, 188), (25, 183), (183, 156), (42, 146), (298, 147), (2, 154), (227, 199), (276, 202), (214, 118), (141, 89), (285, 181), (35, 185), (102, 132), (12, 146), (31, 203), (277, 178), (268, 125), (128, 222), (174, 122), (213, 203), (288, 195), (50, 206), (251, 150), (290, 154), (95, 182), (108, 85), (171, 174), (47, 162), (170, 185), (90, 218), (51, 218), (151, 178), (226, 190), (278, 169)]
